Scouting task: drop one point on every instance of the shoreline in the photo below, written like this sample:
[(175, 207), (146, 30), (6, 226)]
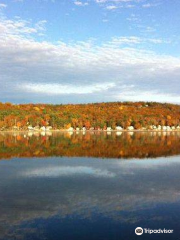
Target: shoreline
[(81, 131)]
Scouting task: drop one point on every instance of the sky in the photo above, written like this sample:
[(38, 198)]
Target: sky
[(81, 51)]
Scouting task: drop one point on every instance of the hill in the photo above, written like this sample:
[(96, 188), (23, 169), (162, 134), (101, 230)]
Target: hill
[(96, 115)]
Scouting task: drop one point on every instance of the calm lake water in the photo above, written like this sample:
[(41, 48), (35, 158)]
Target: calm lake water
[(93, 186)]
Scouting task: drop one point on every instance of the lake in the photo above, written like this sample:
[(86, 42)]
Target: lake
[(89, 186)]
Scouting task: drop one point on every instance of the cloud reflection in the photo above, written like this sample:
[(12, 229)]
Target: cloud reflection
[(68, 171)]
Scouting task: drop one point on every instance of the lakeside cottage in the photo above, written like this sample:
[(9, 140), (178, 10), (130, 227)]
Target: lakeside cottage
[(130, 128), (43, 129), (159, 127), (71, 129), (48, 128), (30, 128), (118, 128), (36, 128)]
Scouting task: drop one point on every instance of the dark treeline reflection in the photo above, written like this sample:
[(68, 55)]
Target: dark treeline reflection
[(90, 144)]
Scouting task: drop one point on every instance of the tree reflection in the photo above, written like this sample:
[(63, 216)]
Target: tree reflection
[(91, 144)]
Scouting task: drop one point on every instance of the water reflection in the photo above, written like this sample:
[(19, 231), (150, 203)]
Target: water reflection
[(85, 198), (81, 196), (90, 144)]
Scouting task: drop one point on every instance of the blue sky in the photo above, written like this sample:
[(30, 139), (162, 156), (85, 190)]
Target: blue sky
[(78, 51)]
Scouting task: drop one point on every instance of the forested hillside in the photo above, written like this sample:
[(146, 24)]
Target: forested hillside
[(96, 115)]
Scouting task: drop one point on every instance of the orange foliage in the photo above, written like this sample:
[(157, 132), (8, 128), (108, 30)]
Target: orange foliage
[(96, 115)]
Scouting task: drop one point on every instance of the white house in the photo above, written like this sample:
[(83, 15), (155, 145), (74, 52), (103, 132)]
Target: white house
[(30, 128), (109, 128), (48, 128), (84, 129), (159, 127), (71, 129), (118, 128), (130, 128), (43, 128), (77, 129), (36, 128)]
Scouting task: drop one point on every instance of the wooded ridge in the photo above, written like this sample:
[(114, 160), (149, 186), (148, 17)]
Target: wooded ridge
[(94, 116)]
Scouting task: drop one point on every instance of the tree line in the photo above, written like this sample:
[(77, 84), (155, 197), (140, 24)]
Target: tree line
[(94, 115)]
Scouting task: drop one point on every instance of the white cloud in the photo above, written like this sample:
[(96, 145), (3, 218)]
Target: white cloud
[(149, 5), (133, 18), (2, 5), (58, 89), (111, 7), (115, 1), (68, 171), (133, 40), (155, 95), (18, 28), (79, 3), (105, 20), (126, 40), (115, 70), (128, 3)]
